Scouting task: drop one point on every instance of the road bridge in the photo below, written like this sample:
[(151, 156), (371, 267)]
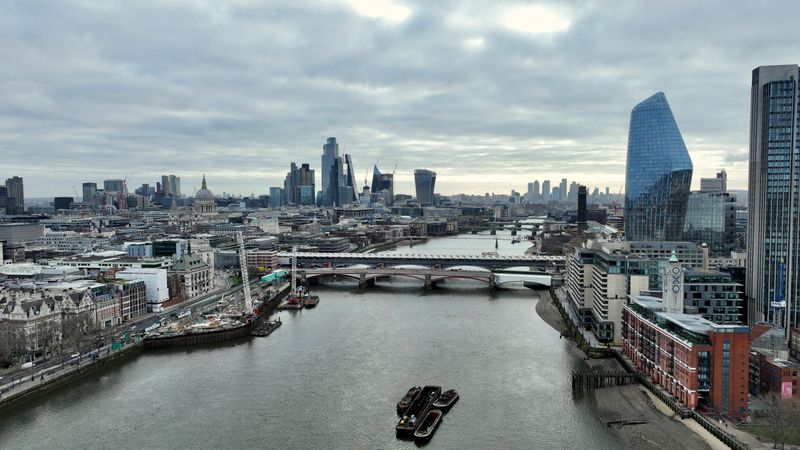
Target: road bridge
[(368, 276), (540, 263)]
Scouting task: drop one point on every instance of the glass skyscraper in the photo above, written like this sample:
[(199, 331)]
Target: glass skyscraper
[(711, 219), (425, 182), (773, 231), (330, 153), (658, 174)]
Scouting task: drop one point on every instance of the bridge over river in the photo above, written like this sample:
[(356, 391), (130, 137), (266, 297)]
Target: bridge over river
[(367, 276), (539, 263)]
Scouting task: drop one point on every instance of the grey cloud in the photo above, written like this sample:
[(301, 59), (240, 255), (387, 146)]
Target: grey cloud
[(239, 89)]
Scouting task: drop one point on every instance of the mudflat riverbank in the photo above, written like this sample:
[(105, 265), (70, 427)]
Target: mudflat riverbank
[(653, 423)]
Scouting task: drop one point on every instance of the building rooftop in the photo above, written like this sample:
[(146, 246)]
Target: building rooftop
[(645, 301), (784, 364)]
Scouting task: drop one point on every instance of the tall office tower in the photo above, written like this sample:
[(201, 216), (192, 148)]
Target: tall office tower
[(711, 219), (773, 229), (113, 186), (425, 183), (330, 153), (582, 206), (61, 203), (3, 202), (347, 190), (529, 193), (275, 197), (562, 190), (166, 186), (573, 191), (383, 184), (536, 188), (658, 174), (299, 185), (608, 190), (89, 194), (175, 185), (15, 198), (546, 190), (718, 183)]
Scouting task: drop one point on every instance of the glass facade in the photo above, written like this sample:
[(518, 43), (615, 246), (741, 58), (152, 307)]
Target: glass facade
[(711, 219), (658, 173), (773, 229), (425, 182)]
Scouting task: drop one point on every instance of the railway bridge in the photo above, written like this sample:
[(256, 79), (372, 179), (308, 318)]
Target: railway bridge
[(490, 261)]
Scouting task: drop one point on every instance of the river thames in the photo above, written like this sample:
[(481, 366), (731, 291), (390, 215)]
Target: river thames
[(330, 378)]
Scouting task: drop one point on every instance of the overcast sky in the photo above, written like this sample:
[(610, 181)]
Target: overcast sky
[(490, 95)]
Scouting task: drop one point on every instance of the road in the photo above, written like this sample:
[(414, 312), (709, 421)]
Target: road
[(58, 363)]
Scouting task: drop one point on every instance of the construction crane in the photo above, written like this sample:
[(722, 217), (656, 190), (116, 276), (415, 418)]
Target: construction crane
[(294, 270), (248, 301), (616, 200)]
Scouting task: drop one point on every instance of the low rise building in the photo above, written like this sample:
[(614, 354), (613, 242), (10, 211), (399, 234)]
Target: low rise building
[(773, 377), (196, 276), (70, 241), (156, 289), (102, 261), (265, 259)]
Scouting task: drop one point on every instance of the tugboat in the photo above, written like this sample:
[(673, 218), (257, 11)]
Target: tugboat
[(407, 400), (428, 425), (294, 300), (446, 400), (419, 408)]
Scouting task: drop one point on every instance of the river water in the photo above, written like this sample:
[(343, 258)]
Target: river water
[(330, 378)]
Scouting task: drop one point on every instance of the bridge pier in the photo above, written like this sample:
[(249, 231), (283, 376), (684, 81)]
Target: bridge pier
[(492, 282), (364, 282), (429, 283)]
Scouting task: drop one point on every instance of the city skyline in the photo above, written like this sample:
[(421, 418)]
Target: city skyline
[(107, 102)]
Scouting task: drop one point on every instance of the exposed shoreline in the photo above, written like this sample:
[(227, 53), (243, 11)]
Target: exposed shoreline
[(662, 428)]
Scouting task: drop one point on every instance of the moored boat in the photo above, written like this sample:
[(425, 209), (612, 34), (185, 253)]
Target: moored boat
[(408, 399), (311, 301), (408, 424), (446, 400), (428, 425), (267, 328)]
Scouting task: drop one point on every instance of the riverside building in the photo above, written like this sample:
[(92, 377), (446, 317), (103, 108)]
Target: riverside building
[(695, 360)]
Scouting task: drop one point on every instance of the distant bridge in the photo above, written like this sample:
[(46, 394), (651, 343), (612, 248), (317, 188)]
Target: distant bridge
[(367, 276), (540, 263)]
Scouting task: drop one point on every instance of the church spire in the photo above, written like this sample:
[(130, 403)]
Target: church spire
[(204, 182)]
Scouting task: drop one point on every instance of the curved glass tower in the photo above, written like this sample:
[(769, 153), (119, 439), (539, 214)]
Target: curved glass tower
[(658, 174), (425, 182)]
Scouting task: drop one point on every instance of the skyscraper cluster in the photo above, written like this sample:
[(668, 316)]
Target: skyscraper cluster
[(298, 187), (170, 185), (338, 176)]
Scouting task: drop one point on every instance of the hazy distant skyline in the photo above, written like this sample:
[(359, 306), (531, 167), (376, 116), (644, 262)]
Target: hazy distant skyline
[(490, 95)]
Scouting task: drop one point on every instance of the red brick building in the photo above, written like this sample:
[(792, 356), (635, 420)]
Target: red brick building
[(773, 376), (697, 361)]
